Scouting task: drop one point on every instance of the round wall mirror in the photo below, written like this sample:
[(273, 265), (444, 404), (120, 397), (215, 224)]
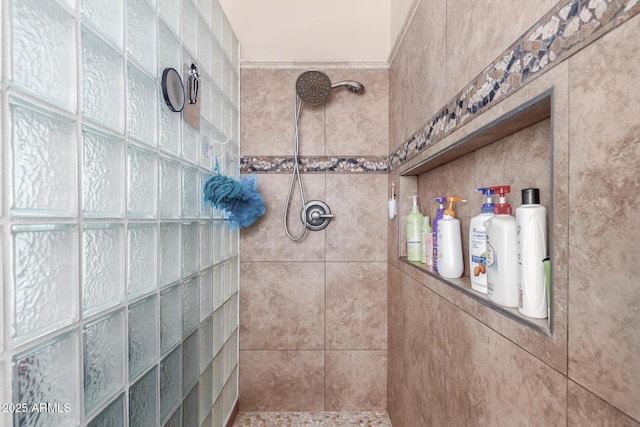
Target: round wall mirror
[(172, 89)]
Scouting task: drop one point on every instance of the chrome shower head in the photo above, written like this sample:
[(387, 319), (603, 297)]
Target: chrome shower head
[(314, 87)]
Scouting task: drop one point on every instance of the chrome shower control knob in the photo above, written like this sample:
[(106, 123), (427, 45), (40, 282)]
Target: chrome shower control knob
[(317, 215)]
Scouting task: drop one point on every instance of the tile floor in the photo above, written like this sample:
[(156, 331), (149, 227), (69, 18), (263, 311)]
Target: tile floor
[(312, 419)]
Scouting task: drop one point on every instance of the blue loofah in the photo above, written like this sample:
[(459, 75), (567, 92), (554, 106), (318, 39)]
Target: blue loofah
[(248, 206), (220, 191), (241, 200)]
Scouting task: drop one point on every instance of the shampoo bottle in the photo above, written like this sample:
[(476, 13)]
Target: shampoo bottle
[(450, 262), (427, 241), (414, 221), (502, 253), (532, 250), (438, 217), (478, 244)]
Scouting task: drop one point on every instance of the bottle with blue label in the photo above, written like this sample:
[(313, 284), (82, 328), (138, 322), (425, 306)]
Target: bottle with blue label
[(434, 228), (478, 243)]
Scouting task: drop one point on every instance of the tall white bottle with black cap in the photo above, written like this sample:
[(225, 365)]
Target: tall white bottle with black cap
[(531, 221)]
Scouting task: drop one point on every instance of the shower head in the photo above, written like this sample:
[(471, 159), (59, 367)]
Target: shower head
[(314, 86)]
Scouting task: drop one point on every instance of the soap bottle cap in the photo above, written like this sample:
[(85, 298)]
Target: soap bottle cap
[(502, 208), (452, 200), (488, 206), (531, 196), (440, 201)]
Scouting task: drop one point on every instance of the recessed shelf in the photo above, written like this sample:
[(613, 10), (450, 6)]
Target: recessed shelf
[(463, 285)]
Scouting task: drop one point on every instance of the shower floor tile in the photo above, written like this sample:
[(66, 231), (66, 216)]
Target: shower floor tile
[(312, 419)]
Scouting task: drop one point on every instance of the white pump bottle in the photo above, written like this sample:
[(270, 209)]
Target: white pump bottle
[(450, 260)]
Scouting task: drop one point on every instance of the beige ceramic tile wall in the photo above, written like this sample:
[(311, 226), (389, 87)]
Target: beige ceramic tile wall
[(313, 315), (482, 368)]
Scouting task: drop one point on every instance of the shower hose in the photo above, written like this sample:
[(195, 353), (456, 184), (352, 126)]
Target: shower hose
[(295, 173)]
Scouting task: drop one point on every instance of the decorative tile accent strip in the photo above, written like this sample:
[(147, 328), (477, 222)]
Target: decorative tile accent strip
[(312, 419), (563, 31), (321, 164)]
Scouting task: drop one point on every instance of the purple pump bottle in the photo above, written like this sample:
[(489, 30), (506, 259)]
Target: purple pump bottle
[(434, 227)]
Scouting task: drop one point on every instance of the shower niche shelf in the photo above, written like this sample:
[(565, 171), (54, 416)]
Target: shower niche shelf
[(526, 115)]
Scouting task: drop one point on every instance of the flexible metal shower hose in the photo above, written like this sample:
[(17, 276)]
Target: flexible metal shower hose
[(295, 174)]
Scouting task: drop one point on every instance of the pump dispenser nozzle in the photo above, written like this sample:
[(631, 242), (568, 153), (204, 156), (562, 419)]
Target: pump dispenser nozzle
[(487, 207), (414, 205), (450, 209), (503, 207), (439, 200)]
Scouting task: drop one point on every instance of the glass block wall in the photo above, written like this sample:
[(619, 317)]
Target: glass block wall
[(119, 302)]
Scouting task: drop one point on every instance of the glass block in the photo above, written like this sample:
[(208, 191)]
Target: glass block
[(234, 275), (217, 375), (206, 343), (204, 45), (206, 211), (190, 409), (170, 138), (170, 390), (205, 392), (230, 355), (204, 6), (227, 120), (170, 318), (230, 394), (143, 335), (218, 329), (170, 188), (175, 420), (43, 51), (141, 105), (141, 268), (44, 147), (106, 16), (141, 190), (111, 416), (217, 108), (103, 82), (206, 293), (189, 248), (218, 286), (217, 64), (227, 279), (169, 49), (189, 26), (170, 13), (190, 367), (190, 143), (103, 359), (45, 279), (207, 142), (216, 20), (143, 400), (217, 416), (190, 304), (103, 170), (141, 34), (190, 192), (102, 267), (227, 36), (218, 230), (206, 244), (206, 91), (48, 373), (234, 312), (170, 250)]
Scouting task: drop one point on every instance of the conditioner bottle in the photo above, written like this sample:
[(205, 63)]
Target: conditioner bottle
[(478, 244), (450, 261), (532, 250), (502, 252)]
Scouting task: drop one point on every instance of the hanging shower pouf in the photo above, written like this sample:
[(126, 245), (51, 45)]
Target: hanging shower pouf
[(240, 199)]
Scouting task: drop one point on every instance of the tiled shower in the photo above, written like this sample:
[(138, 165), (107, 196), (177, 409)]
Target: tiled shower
[(120, 287)]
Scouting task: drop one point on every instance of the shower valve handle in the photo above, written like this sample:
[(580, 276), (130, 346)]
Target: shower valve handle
[(317, 215)]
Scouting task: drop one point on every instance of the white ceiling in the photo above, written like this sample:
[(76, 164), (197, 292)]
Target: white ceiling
[(286, 31)]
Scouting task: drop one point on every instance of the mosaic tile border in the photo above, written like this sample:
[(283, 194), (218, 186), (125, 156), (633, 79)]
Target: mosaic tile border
[(566, 29), (312, 419), (320, 164)]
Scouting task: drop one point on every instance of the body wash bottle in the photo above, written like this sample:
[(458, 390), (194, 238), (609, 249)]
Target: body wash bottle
[(450, 261), (478, 244), (531, 220), (414, 221), (438, 217), (502, 253)]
